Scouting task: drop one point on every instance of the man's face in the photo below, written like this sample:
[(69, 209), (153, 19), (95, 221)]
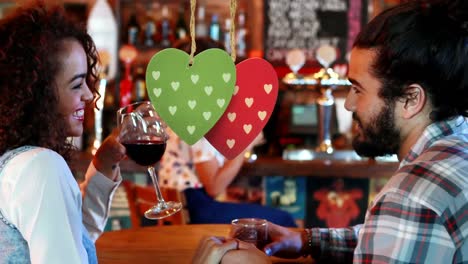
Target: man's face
[(376, 133)]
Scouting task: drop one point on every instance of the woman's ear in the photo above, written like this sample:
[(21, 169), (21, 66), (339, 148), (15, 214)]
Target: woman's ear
[(413, 101)]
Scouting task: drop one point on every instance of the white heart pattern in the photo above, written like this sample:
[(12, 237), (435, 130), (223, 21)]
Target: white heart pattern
[(249, 101), (191, 129), (157, 91), (172, 109), (192, 104), (220, 102), (267, 88), (236, 89), (156, 75), (230, 143), (208, 90), (262, 115), (175, 85), (226, 77), (247, 128), (231, 116), (194, 78), (207, 115)]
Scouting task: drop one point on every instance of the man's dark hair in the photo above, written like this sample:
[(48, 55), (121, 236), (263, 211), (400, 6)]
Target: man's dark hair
[(423, 42)]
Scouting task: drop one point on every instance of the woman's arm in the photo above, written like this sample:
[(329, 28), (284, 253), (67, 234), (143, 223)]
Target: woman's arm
[(101, 181), (216, 178)]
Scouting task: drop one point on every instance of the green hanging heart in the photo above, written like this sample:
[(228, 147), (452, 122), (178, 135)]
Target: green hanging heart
[(190, 99)]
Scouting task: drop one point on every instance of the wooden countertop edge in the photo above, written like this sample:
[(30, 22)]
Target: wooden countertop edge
[(271, 166)]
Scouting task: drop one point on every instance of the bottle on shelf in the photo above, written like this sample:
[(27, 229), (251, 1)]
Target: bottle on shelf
[(127, 55), (215, 28), (139, 84), (181, 30), (150, 32), (241, 36), (166, 32), (102, 27), (133, 30), (227, 35), (201, 27)]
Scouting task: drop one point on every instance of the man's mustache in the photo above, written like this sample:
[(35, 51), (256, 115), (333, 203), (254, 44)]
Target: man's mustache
[(356, 118)]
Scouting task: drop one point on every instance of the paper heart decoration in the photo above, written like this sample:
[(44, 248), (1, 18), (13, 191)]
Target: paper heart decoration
[(190, 99), (250, 109)]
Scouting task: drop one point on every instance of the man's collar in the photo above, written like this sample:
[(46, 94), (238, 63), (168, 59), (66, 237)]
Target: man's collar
[(434, 132)]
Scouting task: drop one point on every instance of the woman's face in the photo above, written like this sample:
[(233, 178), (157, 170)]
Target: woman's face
[(73, 91)]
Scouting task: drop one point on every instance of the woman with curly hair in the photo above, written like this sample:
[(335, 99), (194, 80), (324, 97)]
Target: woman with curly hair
[(47, 76)]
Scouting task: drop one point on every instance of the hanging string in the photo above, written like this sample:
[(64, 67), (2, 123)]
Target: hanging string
[(232, 30), (193, 48)]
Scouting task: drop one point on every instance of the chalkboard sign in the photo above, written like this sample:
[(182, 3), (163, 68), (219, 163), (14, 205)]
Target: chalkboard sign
[(306, 24)]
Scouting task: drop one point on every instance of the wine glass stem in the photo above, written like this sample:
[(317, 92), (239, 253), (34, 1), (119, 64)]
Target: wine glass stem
[(152, 174)]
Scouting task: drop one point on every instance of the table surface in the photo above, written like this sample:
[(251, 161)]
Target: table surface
[(160, 244)]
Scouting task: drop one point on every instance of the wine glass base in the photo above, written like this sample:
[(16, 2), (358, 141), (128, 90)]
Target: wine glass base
[(162, 210)]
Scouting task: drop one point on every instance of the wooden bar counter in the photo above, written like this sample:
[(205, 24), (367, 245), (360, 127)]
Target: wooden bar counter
[(161, 244), (319, 168), (269, 166)]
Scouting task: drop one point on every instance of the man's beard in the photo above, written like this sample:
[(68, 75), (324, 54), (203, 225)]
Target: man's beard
[(379, 137)]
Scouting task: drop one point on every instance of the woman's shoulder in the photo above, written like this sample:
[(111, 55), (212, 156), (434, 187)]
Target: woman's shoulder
[(34, 170), (39, 154), (33, 160)]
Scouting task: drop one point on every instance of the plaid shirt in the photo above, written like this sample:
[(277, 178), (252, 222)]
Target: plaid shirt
[(420, 216)]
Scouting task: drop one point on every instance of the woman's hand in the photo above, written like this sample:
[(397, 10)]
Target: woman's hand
[(214, 250), (247, 253), (109, 155)]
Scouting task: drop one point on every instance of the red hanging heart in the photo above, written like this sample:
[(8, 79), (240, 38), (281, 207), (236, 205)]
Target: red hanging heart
[(250, 108)]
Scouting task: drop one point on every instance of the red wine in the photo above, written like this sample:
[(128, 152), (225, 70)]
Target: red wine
[(145, 152), (254, 236)]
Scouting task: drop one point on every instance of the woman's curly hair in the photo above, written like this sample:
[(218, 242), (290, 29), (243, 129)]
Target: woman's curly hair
[(31, 40)]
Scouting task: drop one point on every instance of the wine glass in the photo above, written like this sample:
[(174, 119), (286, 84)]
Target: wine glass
[(143, 135)]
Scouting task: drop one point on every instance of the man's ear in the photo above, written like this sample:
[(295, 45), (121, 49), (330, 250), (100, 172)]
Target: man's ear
[(413, 101)]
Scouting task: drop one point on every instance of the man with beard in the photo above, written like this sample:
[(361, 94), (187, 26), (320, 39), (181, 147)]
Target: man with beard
[(409, 96)]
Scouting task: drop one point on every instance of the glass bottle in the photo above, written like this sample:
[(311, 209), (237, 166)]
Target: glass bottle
[(227, 35), (165, 28), (181, 30), (215, 28), (150, 32), (241, 36), (133, 30), (139, 84), (201, 28)]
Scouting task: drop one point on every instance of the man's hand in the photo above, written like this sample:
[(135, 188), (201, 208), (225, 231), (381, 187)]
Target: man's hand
[(285, 243)]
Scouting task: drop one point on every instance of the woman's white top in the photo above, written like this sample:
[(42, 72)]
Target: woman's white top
[(40, 196)]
